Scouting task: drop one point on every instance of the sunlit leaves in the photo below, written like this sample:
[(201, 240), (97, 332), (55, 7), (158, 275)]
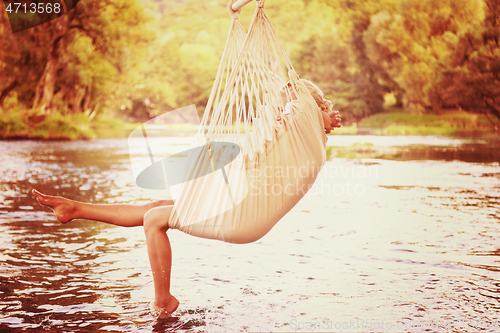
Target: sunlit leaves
[(412, 44), (471, 77), (139, 58)]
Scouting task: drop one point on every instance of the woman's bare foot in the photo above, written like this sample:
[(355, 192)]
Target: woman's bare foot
[(165, 310), (64, 209)]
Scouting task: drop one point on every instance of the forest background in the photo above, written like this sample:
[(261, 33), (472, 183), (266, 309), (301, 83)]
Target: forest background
[(106, 62)]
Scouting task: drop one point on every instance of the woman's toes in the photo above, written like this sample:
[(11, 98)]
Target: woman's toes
[(62, 208)]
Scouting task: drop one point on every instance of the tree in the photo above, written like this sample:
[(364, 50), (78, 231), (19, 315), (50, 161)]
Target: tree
[(180, 68), (22, 61), (410, 45), (78, 59), (356, 84), (471, 74), (46, 85)]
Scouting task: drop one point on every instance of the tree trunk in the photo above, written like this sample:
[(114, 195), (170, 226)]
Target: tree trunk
[(45, 88), (63, 97), (78, 99), (87, 99), (493, 107), (7, 90)]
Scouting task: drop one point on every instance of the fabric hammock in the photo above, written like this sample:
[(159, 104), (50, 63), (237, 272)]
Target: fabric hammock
[(251, 188)]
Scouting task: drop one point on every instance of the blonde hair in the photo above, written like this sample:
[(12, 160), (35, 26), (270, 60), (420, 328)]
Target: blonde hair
[(324, 104)]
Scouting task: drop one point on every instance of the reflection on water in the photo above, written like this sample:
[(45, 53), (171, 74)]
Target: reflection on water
[(404, 233), (417, 148)]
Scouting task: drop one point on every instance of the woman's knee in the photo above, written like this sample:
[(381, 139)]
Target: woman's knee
[(157, 218)]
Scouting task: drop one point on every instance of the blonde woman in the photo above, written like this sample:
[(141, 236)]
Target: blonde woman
[(154, 216), (331, 119)]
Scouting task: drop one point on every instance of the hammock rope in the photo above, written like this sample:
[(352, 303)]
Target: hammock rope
[(248, 78), (276, 124)]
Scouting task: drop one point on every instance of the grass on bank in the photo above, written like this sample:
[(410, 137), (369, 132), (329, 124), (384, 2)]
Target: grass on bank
[(391, 122), (24, 124), (453, 122)]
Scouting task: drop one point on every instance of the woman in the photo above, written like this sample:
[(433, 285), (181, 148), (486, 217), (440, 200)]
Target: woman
[(154, 217), (331, 119)]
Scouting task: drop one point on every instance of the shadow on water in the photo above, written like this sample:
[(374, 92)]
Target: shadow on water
[(472, 153), (484, 151)]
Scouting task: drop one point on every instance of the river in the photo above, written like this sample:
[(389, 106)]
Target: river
[(401, 236)]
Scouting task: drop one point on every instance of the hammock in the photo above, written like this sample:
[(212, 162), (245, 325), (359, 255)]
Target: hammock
[(241, 196)]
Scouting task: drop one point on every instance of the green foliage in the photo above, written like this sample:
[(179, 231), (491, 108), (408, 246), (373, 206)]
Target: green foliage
[(329, 152), (369, 81), (134, 59), (77, 62), (58, 126), (109, 128), (23, 123), (414, 44), (404, 123), (418, 130), (470, 78), (345, 130), (22, 59), (11, 123)]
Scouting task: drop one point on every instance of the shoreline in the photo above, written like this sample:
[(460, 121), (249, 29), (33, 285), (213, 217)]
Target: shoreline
[(348, 131), (113, 133), (452, 123)]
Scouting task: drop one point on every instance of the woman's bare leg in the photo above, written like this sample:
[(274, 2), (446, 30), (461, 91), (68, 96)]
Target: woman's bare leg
[(153, 216), (160, 258), (124, 215)]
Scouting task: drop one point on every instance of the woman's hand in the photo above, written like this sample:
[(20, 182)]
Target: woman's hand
[(331, 120)]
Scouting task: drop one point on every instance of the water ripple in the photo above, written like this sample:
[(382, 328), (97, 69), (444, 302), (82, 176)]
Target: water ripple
[(420, 245)]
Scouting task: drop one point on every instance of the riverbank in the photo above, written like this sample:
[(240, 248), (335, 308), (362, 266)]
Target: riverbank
[(25, 125), (395, 121), (14, 125)]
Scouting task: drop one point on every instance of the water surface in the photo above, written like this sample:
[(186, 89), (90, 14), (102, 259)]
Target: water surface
[(405, 234)]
